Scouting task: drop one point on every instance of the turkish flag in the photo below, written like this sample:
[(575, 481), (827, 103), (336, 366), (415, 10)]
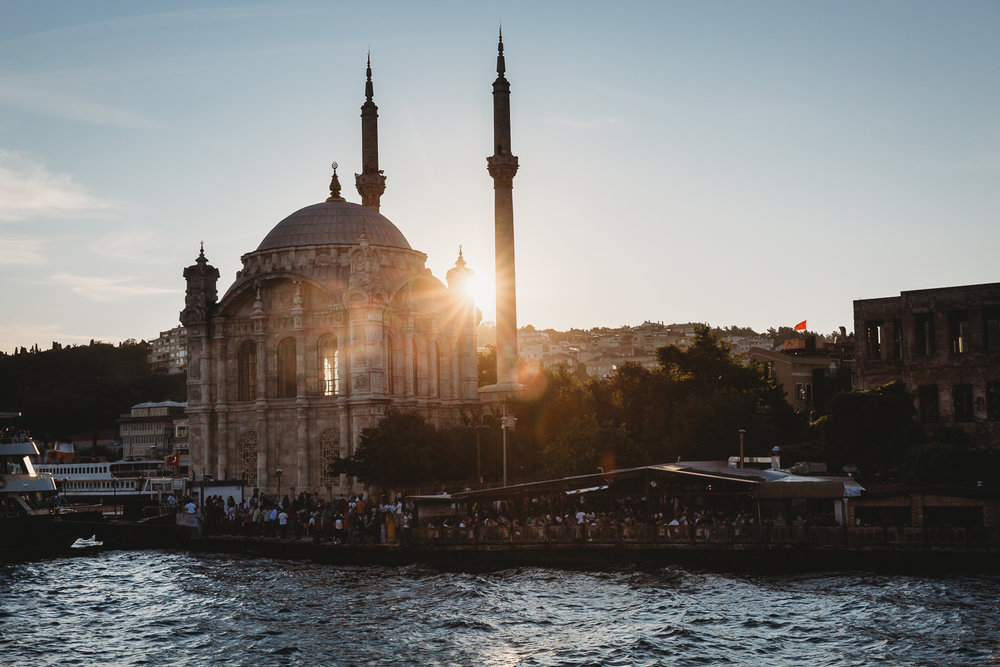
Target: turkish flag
[(801, 326)]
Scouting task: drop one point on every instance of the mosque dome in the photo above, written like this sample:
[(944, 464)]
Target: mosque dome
[(334, 223)]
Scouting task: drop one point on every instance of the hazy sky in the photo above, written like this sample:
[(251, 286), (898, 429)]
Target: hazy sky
[(750, 163)]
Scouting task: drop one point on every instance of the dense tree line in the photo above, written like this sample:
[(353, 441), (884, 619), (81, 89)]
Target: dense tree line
[(691, 407), (79, 392)]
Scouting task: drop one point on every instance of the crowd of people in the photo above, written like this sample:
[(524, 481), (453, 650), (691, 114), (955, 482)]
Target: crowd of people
[(357, 519), (347, 520)]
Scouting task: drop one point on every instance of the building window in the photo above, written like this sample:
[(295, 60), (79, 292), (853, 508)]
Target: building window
[(873, 337), (416, 369), (961, 397), (928, 397), (924, 333), (897, 339), (803, 391), (390, 366), (248, 458), (991, 329), (958, 331), (286, 368), (440, 369), (246, 380), (329, 366), (329, 450), (993, 401)]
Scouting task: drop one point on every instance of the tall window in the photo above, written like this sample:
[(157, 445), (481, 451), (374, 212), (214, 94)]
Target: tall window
[(993, 401), (329, 451), (246, 379), (390, 366), (873, 337), (440, 369), (248, 458), (924, 330), (928, 397), (286, 369), (329, 366), (991, 329), (961, 397), (958, 331), (897, 339), (416, 371)]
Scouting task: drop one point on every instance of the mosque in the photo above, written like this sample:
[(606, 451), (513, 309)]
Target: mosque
[(333, 320)]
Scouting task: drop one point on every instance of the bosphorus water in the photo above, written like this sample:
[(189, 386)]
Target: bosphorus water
[(176, 608)]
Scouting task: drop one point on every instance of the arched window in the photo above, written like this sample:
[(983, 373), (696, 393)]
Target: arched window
[(329, 366), (286, 368), (416, 369), (329, 452), (440, 369), (246, 378), (248, 458), (390, 365)]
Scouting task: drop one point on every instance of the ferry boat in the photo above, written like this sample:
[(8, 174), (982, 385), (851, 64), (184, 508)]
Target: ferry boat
[(144, 482), (31, 522)]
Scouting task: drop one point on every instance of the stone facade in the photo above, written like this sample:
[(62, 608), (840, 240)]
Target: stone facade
[(332, 321), (944, 345)]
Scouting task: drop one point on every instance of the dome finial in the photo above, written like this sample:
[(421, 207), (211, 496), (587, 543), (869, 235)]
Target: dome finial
[(335, 186)]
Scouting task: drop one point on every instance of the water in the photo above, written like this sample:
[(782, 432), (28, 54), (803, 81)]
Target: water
[(174, 608)]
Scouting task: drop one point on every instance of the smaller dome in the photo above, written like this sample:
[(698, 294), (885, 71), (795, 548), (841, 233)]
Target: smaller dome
[(334, 223)]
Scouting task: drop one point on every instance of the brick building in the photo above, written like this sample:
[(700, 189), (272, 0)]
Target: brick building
[(944, 345)]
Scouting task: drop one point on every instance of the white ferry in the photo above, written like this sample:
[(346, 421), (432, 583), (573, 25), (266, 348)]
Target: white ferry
[(115, 482), (30, 521)]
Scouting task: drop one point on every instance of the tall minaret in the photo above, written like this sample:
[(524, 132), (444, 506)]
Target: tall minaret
[(502, 166), (371, 181)]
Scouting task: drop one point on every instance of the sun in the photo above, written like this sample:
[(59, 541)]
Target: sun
[(483, 293)]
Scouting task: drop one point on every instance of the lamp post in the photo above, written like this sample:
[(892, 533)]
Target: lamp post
[(742, 433), (278, 473), (507, 422)]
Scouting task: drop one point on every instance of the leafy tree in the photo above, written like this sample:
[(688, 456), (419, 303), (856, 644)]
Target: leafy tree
[(403, 450), (872, 429), (487, 363)]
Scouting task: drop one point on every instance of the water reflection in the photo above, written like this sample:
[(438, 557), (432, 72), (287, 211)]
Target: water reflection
[(174, 608)]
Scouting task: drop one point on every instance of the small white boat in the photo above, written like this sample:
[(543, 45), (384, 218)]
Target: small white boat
[(81, 543)]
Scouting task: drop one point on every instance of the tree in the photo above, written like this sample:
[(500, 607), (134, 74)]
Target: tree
[(872, 429), (403, 450), (487, 363)]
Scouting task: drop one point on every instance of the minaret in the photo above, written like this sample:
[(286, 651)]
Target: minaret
[(371, 181), (502, 166)]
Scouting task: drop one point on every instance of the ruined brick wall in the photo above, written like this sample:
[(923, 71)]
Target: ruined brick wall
[(942, 340)]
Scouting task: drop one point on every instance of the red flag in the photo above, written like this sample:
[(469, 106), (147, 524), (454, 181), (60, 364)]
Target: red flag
[(174, 460), (801, 326)]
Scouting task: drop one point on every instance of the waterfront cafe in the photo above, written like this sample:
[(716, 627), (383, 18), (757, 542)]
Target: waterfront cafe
[(660, 492)]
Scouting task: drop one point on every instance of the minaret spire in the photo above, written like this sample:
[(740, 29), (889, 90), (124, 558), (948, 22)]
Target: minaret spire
[(371, 181), (502, 166)]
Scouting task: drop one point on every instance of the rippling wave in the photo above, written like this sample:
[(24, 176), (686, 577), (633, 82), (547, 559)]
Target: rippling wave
[(174, 608)]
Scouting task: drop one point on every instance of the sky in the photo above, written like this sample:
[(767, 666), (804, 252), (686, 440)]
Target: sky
[(736, 163)]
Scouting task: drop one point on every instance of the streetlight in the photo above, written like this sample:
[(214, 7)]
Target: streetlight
[(278, 473), (507, 422), (742, 433)]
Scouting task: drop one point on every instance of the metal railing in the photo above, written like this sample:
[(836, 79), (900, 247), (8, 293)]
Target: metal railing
[(721, 535)]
